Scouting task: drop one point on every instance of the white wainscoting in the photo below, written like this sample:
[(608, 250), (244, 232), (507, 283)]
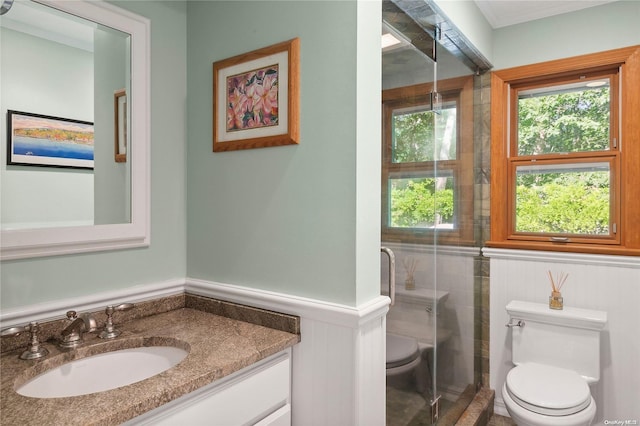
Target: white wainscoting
[(338, 369), (608, 283)]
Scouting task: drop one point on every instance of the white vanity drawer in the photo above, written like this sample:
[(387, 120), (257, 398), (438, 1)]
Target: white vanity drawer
[(281, 417), (259, 394)]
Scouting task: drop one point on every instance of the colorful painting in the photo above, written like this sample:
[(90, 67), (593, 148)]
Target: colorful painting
[(42, 140), (256, 97), (252, 99)]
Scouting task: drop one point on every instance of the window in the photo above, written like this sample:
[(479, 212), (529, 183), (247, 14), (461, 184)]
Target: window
[(563, 147), (427, 172)]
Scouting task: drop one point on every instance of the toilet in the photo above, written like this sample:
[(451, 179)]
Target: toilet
[(556, 354)]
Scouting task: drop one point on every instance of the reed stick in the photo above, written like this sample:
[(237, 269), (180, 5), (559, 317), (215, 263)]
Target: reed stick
[(410, 265), (556, 285)]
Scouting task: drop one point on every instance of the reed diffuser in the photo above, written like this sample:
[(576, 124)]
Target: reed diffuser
[(410, 265), (555, 300)]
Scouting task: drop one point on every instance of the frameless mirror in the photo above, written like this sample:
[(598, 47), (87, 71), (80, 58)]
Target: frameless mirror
[(75, 95)]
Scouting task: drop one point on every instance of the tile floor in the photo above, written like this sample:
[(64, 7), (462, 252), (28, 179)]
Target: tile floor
[(497, 420), (407, 408)]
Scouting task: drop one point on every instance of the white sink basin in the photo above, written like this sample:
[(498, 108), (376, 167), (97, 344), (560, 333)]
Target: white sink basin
[(103, 372)]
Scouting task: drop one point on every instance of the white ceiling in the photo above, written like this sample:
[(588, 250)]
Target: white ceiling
[(502, 13), (51, 24)]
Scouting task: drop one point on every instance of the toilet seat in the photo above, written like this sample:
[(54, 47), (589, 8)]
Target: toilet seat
[(401, 350), (548, 390)]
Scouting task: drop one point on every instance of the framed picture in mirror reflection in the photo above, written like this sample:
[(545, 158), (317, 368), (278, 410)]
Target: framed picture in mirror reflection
[(48, 141), (120, 126)]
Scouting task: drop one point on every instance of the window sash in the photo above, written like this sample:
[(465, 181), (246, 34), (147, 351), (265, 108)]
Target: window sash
[(438, 129), (609, 153), (435, 200), (572, 164), (546, 85)]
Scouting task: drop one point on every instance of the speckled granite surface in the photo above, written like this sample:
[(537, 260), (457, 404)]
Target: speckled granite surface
[(277, 320), (217, 346)]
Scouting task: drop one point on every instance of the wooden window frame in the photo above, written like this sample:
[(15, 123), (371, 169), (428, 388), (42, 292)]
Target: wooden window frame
[(461, 89), (625, 160)]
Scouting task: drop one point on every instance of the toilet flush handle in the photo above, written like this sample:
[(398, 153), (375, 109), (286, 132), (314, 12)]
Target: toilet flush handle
[(510, 324)]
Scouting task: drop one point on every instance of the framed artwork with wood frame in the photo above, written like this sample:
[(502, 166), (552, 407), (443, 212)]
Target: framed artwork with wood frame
[(120, 125), (256, 98)]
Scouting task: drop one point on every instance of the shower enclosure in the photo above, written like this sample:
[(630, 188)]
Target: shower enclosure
[(433, 186)]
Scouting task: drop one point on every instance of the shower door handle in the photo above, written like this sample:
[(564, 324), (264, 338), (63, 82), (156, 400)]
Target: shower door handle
[(392, 273)]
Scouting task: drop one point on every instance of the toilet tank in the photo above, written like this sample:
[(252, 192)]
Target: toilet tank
[(568, 338)]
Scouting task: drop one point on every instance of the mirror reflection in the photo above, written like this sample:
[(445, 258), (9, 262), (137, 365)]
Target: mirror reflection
[(61, 73)]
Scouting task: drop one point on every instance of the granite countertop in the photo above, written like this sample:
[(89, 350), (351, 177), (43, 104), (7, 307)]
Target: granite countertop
[(217, 346)]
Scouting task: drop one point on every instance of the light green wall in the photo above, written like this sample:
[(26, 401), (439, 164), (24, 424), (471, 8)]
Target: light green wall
[(36, 75), (26, 282), (595, 29), (298, 219), (302, 220)]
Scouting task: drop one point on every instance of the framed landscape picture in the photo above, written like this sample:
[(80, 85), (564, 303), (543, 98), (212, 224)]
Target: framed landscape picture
[(255, 98), (43, 140)]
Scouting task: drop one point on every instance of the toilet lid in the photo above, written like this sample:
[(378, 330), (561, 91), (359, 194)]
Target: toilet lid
[(548, 390), (401, 350)]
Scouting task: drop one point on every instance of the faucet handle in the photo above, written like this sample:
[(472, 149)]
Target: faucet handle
[(13, 331), (34, 351), (121, 307), (109, 331)]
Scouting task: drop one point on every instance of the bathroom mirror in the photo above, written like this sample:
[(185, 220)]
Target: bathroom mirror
[(102, 66)]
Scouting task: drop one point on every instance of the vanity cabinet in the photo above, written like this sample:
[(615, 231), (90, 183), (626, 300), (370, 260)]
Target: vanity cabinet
[(256, 395)]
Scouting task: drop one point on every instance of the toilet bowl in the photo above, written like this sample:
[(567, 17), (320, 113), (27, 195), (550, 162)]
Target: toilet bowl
[(543, 395)]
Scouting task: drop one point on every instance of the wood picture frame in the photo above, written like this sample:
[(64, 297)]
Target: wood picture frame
[(120, 125), (256, 98), (48, 141)]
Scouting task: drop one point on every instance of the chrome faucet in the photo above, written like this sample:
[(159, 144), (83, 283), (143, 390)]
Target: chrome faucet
[(72, 334)]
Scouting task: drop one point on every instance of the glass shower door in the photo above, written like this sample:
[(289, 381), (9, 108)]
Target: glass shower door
[(427, 220), (409, 196)]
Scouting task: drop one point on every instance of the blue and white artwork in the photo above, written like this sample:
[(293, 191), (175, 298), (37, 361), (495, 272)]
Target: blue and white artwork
[(42, 140)]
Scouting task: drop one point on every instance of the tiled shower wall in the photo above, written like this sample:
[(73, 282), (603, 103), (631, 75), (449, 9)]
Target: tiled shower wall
[(482, 173)]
